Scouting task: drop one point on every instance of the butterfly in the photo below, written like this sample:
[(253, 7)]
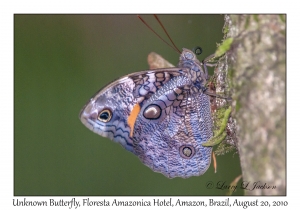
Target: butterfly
[(162, 116)]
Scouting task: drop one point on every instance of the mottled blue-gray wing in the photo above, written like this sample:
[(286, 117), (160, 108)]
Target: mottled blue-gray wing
[(170, 129), (108, 111)]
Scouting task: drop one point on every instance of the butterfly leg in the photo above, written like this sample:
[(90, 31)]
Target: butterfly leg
[(208, 58), (216, 95), (205, 64)]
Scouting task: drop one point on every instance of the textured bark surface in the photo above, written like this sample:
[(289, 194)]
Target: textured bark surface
[(256, 68)]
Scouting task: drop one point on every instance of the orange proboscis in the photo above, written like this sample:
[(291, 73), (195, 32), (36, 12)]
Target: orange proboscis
[(132, 117)]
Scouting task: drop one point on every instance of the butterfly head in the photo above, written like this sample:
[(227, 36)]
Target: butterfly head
[(188, 59), (187, 55)]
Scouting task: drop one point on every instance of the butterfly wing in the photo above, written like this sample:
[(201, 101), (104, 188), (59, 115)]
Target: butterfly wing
[(108, 112), (170, 129)]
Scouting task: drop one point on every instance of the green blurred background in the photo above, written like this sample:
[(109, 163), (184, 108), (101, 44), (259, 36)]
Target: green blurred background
[(60, 61)]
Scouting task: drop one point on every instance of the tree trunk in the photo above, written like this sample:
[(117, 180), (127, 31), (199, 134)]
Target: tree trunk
[(255, 66)]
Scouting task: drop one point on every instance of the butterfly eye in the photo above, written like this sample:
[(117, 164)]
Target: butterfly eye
[(152, 112), (105, 115), (188, 55), (187, 152)]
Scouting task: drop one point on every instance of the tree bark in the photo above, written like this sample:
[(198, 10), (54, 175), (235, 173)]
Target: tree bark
[(255, 67)]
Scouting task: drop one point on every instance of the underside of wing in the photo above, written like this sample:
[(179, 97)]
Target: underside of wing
[(120, 101), (170, 129)]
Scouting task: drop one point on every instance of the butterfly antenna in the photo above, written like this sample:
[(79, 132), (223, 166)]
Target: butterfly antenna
[(160, 23), (173, 47)]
